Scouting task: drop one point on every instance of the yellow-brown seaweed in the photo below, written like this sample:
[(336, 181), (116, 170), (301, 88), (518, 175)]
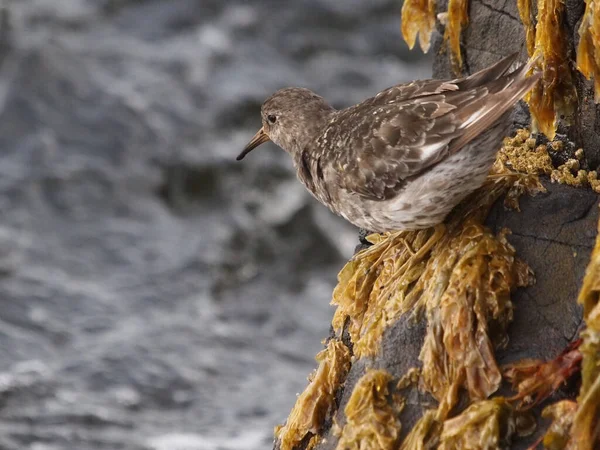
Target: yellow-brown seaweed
[(418, 19), (527, 18), (588, 51), (424, 434), (487, 424), (372, 422), (586, 424), (555, 94), (558, 434), (469, 288), (318, 398), (457, 19), (372, 286)]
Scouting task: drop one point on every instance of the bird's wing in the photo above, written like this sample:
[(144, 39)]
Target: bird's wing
[(381, 146), (422, 88)]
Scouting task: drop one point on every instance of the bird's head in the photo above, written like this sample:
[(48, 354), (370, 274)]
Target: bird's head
[(290, 118)]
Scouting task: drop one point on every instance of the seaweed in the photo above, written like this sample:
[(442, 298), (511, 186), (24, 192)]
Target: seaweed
[(524, 7), (555, 95), (588, 51), (562, 413), (372, 421), (488, 424), (457, 19), (418, 19), (308, 415), (586, 424)]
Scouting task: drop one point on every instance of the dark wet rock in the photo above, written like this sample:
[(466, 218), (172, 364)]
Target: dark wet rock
[(554, 233)]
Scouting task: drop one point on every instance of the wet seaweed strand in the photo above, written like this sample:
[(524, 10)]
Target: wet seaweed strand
[(588, 51), (555, 94), (585, 433), (371, 415), (308, 414), (418, 19), (457, 20)]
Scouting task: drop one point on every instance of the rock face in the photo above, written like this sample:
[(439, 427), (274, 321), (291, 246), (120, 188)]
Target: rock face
[(554, 233)]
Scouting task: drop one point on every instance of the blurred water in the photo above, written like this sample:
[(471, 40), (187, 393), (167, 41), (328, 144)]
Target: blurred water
[(155, 294)]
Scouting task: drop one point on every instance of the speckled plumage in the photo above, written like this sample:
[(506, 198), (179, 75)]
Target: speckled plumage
[(404, 158)]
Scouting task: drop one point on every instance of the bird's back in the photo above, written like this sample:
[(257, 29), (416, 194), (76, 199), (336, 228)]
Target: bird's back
[(372, 148)]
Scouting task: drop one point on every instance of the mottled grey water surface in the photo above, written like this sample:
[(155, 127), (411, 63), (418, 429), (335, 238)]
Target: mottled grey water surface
[(156, 294)]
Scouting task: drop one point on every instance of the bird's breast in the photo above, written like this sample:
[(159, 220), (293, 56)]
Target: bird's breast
[(311, 173)]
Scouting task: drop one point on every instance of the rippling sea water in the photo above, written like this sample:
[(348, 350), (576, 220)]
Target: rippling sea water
[(155, 294)]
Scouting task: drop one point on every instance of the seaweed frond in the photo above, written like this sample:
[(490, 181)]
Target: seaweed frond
[(555, 94), (457, 19), (418, 19), (372, 422), (588, 51), (488, 424), (308, 415), (586, 424)]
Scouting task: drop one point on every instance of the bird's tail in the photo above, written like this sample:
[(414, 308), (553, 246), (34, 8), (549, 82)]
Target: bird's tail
[(494, 98)]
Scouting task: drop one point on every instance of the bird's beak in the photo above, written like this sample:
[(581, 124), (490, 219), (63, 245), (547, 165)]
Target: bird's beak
[(259, 138)]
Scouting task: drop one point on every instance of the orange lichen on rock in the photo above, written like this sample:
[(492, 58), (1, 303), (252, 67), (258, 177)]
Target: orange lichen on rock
[(588, 51), (457, 19), (555, 94), (487, 424), (372, 422), (418, 19), (318, 399), (536, 380), (585, 434)]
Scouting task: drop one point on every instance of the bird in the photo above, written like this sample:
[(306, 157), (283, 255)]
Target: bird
[(403, 159)]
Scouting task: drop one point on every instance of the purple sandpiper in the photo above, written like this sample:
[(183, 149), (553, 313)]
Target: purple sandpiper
[(403, 159)]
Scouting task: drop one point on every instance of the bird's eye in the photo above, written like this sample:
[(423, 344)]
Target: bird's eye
[(271, 118)]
